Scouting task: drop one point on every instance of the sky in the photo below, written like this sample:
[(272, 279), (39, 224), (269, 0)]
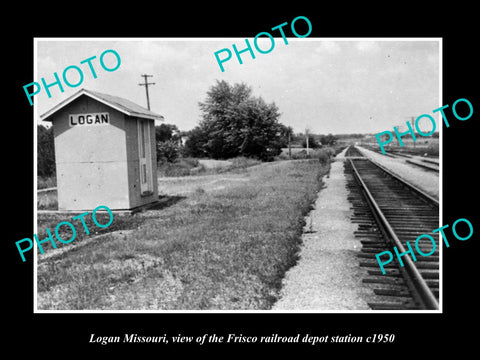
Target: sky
[(327, 85)]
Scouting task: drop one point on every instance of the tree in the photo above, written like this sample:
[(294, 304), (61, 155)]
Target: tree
[(167, 151), (45, 151), (165, 132), (328, 139), (167, 137), (195, 143), (312, 143), (286, 135), (237, 124)]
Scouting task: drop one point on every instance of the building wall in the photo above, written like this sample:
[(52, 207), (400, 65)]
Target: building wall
[(135, 195), (91, 160), (153, 152)]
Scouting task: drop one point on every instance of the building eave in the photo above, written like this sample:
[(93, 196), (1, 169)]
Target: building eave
[(47, 115)]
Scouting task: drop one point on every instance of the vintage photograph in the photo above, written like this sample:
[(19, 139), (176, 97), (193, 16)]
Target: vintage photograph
[(303, 179)]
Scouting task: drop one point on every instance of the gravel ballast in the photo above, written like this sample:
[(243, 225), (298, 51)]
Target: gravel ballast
[(426, 180)]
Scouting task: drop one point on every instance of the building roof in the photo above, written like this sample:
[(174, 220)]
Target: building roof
[(123, 105)]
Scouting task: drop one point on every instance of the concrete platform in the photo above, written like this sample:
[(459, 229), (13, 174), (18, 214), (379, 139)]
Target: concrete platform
[(327, 276)]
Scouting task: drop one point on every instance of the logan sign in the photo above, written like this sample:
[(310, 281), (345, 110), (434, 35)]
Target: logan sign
[(89, 119)]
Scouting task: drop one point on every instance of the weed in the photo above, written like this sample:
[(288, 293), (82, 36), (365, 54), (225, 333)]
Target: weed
[(46, 182), (47, 200), (199, 190)]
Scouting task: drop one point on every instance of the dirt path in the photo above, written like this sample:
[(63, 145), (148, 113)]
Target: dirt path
[(183, 185), (212, 164)]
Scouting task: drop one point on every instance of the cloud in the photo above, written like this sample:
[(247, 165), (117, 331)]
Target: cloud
[(47, 66), (367, 46), (329, 85), (328, 47)]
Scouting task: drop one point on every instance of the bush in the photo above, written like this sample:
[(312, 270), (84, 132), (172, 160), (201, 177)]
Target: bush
[(46, 182), (282, 156), (323, 155), (243, 162), (298, 155), (192, 162), (167, 151), (180, 167), (47, 200), (312, 143), (46, 152)]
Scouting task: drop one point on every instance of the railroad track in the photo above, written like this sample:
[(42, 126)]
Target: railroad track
[(389, 212), (426, 164), (352, 151)]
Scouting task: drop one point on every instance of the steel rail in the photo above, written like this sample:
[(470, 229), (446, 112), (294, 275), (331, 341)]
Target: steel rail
[(424, 166), (415, 189), (418, 284)]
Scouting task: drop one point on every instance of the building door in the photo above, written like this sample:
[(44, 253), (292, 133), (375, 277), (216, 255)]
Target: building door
[(144, 152)]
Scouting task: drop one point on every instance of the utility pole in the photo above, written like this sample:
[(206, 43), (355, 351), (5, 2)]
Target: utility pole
[(413, 127), (146, 83), (306, 140), (289, 144)]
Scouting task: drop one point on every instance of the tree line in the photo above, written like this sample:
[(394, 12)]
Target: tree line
[(233, 123)]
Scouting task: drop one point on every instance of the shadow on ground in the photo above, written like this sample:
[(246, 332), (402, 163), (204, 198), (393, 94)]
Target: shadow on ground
[(165, 201)]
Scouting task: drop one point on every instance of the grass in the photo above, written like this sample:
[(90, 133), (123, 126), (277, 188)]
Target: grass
[(46, 182), (323, 155), (222, 249), (47, 200), (181, 167), (192, 166), (423, 146)]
